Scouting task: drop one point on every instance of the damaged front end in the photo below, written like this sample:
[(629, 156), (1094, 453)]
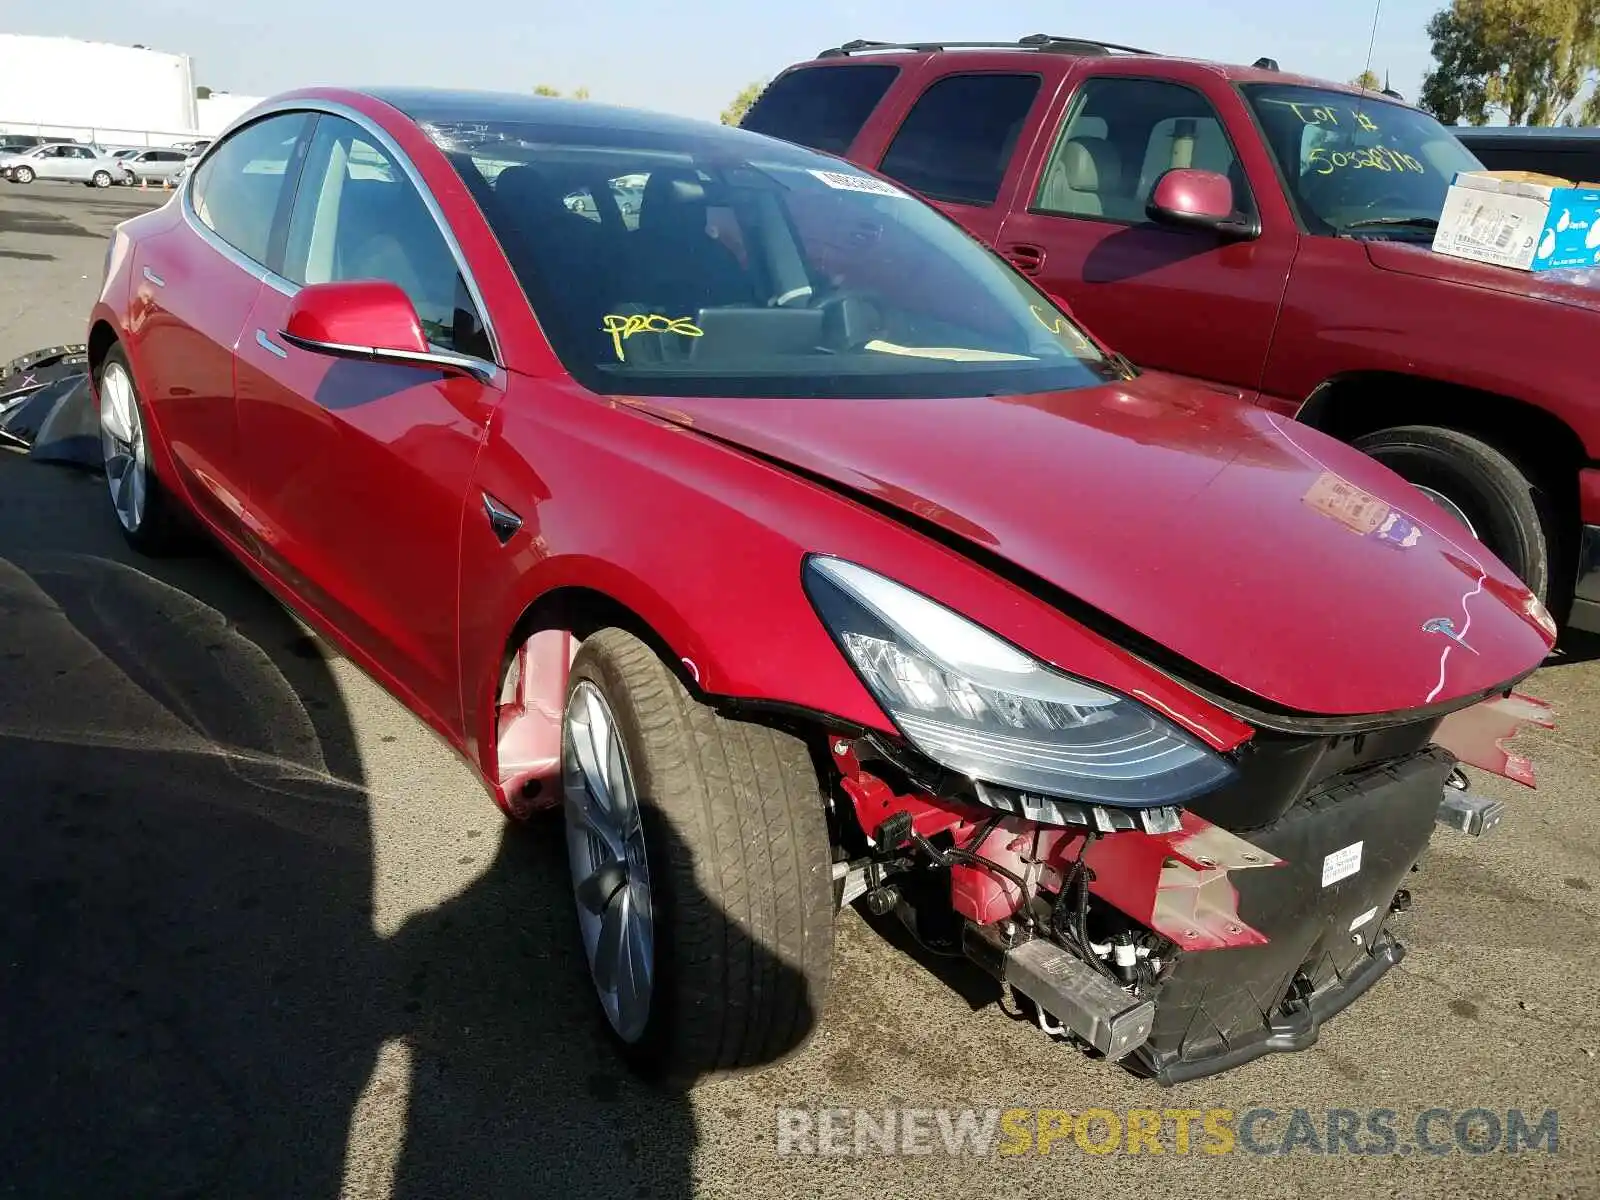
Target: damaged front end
[(1181, 923)]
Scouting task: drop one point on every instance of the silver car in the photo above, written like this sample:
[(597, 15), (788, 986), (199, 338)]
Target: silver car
[(156, 165), (64, 160)]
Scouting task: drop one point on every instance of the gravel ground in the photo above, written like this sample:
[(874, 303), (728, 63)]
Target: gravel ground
[(261, 934)]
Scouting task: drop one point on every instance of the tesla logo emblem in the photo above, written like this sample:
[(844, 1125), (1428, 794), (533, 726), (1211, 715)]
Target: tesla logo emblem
[(1447, 627)]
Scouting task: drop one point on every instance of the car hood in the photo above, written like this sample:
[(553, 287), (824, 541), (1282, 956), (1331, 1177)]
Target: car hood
[(1283, 562), (1579, 289)]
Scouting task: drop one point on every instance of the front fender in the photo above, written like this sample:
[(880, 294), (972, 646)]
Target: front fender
[(705, 544)]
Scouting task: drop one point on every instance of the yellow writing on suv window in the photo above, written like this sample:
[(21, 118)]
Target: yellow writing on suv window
[(622, 328), (1323, 114), (1375, 158)]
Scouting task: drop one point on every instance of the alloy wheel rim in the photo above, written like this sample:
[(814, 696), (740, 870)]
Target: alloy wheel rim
[(606, 852), (122, 443), (1450, 506)]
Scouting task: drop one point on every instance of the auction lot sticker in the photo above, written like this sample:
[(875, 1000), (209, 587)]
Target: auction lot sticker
[(843, 181)]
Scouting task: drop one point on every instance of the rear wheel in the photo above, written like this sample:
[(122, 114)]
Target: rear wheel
[(700, 865), (101, 179), (146, 514), (1479, 486)]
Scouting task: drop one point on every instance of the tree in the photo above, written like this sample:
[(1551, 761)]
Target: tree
[(735, 112), (1526, 59), (544, 89), (1368, 81)]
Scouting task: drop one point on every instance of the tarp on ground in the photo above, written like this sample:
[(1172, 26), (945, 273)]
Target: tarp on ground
[(46, 407)]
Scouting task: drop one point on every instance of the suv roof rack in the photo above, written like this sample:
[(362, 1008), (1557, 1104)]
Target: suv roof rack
[(1043, 42)]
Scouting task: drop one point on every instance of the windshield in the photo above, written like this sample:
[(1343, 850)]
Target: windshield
[(1356, 164), (690, 263)]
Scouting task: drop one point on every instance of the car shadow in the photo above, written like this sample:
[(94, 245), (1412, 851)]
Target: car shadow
[(194, 995), (1575, 648)]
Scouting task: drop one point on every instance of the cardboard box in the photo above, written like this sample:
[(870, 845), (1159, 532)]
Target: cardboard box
[(1514, 219)]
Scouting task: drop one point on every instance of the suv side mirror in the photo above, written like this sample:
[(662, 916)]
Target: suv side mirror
[(370, 319), (1189, 198)]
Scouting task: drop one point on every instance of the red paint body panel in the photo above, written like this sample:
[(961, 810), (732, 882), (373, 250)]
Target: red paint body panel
[(356, 476), (364, 312), (1169, 507), (185, 331)]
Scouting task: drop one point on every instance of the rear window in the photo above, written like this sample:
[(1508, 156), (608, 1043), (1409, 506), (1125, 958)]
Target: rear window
[(820, 107), (957, 139)]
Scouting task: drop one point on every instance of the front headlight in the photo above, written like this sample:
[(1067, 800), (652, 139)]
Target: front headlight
[(977, 705)]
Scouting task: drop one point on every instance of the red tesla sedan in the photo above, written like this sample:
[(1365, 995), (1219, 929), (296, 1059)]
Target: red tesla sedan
[(737, 503)]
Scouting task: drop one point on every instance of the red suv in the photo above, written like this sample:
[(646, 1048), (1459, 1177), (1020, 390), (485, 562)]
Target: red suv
[(1290, 260)]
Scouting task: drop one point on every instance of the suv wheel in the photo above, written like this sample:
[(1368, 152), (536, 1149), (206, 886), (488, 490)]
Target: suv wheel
[(1476, 484), (700, 865)]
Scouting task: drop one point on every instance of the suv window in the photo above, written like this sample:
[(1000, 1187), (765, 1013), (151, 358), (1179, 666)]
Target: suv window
[(358, 216), (820, 107), (1122, 136), (236, 190), (957, 139), (757, 268)]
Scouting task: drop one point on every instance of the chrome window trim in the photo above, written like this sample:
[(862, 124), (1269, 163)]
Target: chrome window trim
[(288, 287)]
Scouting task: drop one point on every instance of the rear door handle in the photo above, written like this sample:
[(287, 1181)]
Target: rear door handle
[(1027, 259), (269, 345), (154, 278)]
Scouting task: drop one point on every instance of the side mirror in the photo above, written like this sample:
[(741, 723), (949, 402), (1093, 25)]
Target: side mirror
[(1189, 198), (370, 319)]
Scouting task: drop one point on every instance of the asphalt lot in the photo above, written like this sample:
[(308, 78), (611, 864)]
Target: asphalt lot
[(261, 934)]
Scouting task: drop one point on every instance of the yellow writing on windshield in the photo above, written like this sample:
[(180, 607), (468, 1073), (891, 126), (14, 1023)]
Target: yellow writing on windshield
[(1325, 114), (1376, 158), (623, 327), (1061, 327)]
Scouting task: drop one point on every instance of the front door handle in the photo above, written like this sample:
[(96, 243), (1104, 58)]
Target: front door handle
[(269, 345), (1027, 259), (154, 278)]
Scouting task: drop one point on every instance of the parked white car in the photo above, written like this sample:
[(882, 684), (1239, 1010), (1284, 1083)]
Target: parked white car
[(159, 164), (64, 160)]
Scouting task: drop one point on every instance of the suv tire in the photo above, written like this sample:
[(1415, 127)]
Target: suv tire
[(1497, 499)]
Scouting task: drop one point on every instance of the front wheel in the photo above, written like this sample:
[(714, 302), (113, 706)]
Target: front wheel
[(23, 175), (1479, 486), (699, 854)]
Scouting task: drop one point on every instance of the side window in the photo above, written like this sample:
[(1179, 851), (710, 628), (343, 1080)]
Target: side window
[(357, 216), (956, 141), (236, 190), (820, 107), (1121, 137)]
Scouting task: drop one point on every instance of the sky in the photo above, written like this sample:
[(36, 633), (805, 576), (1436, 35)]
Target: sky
[(692, 56)]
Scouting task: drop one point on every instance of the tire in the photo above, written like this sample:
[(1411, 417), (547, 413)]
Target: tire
[(101, 179), (22, 175), (1500, 503), (157, 528), (739, 876)]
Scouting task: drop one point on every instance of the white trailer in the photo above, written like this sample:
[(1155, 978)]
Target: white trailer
[(57, 86)]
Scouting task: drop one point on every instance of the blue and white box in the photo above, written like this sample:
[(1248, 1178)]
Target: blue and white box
[(1531, 223)]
